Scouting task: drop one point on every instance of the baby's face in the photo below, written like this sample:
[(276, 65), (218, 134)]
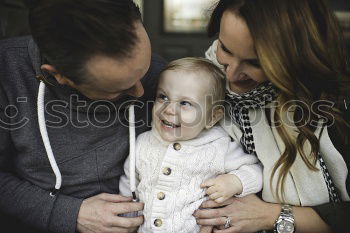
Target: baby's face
[(180, 111)]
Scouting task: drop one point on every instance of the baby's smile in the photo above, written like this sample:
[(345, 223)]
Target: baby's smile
[(168, 124)]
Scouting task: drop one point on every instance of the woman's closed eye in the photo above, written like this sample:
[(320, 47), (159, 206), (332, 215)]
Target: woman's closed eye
[(225, 49), (254, 62)]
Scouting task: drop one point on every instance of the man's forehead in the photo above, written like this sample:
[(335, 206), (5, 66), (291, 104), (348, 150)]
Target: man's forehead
[(103, 66), (110, 73)]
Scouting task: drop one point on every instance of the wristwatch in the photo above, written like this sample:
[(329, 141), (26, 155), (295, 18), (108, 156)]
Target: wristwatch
[(285, 222)]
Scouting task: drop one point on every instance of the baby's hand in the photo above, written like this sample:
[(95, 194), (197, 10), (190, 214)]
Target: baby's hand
[(222, 187)]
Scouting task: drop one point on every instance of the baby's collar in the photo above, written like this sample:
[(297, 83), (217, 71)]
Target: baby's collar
[(204, 137)]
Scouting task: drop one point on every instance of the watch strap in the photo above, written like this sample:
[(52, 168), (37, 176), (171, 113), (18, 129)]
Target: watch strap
[(286, 215)]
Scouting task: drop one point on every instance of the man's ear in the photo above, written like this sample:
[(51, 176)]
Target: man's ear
[(59, 78), (217, 115)]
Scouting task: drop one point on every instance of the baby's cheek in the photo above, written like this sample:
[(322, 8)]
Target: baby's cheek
[(156, 109), (191, 118)]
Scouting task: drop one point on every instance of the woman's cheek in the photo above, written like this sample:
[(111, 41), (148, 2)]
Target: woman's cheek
[(256, 74)]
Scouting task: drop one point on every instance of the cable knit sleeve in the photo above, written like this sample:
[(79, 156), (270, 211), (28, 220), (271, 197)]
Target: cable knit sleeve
[(245, 166)]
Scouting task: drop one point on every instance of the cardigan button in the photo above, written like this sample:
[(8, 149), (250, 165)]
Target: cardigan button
[(177, 146), (158, 222), (166, 171), (161, 196)]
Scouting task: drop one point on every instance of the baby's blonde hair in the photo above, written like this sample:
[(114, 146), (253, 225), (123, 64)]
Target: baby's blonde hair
[(199, 64)]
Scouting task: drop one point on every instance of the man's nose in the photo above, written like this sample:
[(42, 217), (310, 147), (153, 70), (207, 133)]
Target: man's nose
[(137, 90)]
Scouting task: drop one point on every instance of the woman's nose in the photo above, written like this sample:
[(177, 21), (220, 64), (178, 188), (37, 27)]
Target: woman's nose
[(231, 69)]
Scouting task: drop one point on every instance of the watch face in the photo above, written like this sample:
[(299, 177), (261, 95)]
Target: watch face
[(285, 227)]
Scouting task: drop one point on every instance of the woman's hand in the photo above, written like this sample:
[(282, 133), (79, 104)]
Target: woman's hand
[(206, 229), (247, 214)]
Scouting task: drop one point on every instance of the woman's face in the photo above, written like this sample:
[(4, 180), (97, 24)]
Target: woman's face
[(237, 54)]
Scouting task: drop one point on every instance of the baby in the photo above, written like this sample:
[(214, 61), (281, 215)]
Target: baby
[(185, 158)]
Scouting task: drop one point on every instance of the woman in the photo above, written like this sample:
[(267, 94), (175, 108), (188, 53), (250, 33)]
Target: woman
[(287, 82)]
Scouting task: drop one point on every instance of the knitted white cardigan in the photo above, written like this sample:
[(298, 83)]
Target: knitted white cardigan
[(210, 154), (303, 187)]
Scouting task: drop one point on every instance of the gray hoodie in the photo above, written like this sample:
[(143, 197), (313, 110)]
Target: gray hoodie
[(89, 140)]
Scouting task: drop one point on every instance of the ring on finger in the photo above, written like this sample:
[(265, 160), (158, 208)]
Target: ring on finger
[(228, 222)]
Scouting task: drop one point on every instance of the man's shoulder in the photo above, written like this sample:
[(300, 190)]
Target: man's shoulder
[(15, 42), (14, 50), (16, 67)]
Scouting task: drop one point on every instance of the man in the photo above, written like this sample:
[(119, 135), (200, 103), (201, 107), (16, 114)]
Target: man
[(61, 173)]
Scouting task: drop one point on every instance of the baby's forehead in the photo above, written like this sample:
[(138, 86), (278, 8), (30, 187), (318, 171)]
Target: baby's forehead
[(200, 80), (202, 77)]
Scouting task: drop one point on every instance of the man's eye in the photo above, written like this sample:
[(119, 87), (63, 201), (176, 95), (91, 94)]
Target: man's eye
[(185, 103), (162, 97)]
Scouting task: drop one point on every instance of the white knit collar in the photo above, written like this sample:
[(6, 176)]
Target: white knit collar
[(205, 137)]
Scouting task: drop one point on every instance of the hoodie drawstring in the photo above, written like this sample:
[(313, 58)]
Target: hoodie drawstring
[(45, 138), (132, 155), (51, 157)]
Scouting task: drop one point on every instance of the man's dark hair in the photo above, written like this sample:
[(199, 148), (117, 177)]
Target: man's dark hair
[(69, 32)]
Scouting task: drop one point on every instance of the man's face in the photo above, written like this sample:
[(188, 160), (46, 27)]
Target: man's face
[(110, 77)]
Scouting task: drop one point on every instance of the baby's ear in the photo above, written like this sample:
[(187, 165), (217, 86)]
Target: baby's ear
[(217, 114)]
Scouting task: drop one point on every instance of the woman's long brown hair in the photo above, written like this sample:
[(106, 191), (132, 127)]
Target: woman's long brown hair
[(300, 48)]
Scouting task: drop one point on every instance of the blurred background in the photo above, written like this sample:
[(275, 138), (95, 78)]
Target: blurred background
[(176, 27)]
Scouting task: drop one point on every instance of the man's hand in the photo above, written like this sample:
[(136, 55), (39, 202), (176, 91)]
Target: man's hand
[(222, 187), (99, 214)]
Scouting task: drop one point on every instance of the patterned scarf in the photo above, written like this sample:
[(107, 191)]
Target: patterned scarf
[(239, 106), (238, 110)]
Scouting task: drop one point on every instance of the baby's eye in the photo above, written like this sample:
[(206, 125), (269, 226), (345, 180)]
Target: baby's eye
[(162, 97), (185, 103)]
